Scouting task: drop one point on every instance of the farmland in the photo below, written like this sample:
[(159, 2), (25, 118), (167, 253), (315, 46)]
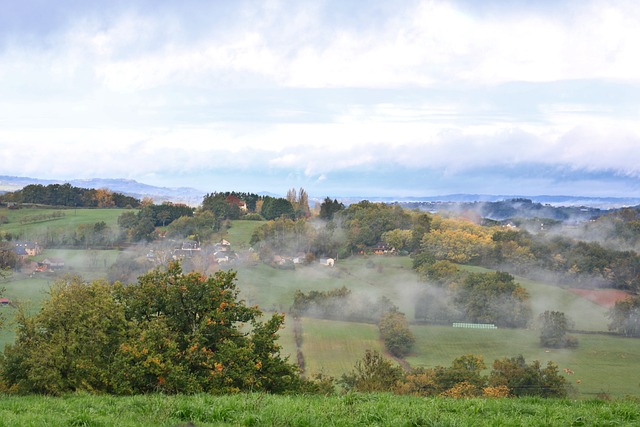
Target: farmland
[(601, 362)]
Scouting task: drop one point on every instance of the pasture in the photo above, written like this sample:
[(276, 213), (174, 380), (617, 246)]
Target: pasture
[(240, 233), (21, 227), (602, 363), (352, 409)]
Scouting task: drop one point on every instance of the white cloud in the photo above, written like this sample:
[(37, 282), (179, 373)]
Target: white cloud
[(138, 94)]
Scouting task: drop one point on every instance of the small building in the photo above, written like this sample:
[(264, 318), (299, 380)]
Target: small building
[(53, 263), (5, 301), (233, 200), (382, 248)]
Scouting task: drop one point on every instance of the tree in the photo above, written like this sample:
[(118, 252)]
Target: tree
[(493, 298), (553, 330), (70, 344), (625, 317), (303, 210), (209, 350), (395, 332), (398, 239), (8, 257), (273, 208), (373, 373), (329, 208)]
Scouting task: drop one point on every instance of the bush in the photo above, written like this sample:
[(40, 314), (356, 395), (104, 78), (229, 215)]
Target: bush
[(373, 373)]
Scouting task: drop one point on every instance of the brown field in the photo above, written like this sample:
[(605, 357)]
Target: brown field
[(604, 297)]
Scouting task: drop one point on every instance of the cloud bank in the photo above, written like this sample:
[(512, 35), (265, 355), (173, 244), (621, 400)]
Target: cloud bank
[(339, 97)]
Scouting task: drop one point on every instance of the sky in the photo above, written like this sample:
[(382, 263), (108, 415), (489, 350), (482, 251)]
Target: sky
[(342, 98)]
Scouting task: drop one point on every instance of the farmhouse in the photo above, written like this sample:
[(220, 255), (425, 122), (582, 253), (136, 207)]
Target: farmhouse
[(27, 248)]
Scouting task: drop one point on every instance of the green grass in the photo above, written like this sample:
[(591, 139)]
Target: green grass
[(332, 347), (377, 409), (240, 233), (69, 222)]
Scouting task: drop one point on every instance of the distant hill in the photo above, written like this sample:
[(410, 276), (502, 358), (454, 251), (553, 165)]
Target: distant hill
[(556, 201), (193, 197), (129, 187)]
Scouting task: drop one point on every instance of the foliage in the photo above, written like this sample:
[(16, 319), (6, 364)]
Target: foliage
[(199, 227), (171, 332), (329, 208), (493, 298), (365, 222), (625, 317), (524, 379), (68, 195), (8, 257), (457, 240), (165, 213), (283, 236), (340, 304), (553, 330), (372, 373), (203, 320), (398, 239), (70, 344), (273, 208), (394, 330), (223, 206), (300, 202)]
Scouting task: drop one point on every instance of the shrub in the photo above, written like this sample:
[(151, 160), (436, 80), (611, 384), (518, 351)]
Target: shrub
[(373, 373)]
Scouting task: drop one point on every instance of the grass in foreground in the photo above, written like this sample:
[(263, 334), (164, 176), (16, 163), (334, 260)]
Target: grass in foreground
[(339, 410)]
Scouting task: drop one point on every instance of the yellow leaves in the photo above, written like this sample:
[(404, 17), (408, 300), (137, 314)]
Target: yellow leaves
[(496, 392), (463, 389), (259, 365)]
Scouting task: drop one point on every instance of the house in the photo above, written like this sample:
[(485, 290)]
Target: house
[(382, 248), (53, 263), (30, 248), (233, 200), (190, 245), (5, 301), (21, 252), (223, 246)]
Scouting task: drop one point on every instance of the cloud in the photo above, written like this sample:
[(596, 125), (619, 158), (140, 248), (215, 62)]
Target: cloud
[(315, 91)]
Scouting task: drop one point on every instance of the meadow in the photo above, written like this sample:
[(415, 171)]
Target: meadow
[(602, 363), (375, 409), (68, 222)]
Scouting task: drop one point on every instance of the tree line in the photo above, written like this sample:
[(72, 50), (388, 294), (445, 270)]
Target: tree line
[(509, 377), (70, 196)]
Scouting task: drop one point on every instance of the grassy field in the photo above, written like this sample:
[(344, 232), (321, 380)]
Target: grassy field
[(602, 363), (374, 409), (240, 233), (69, 221)]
